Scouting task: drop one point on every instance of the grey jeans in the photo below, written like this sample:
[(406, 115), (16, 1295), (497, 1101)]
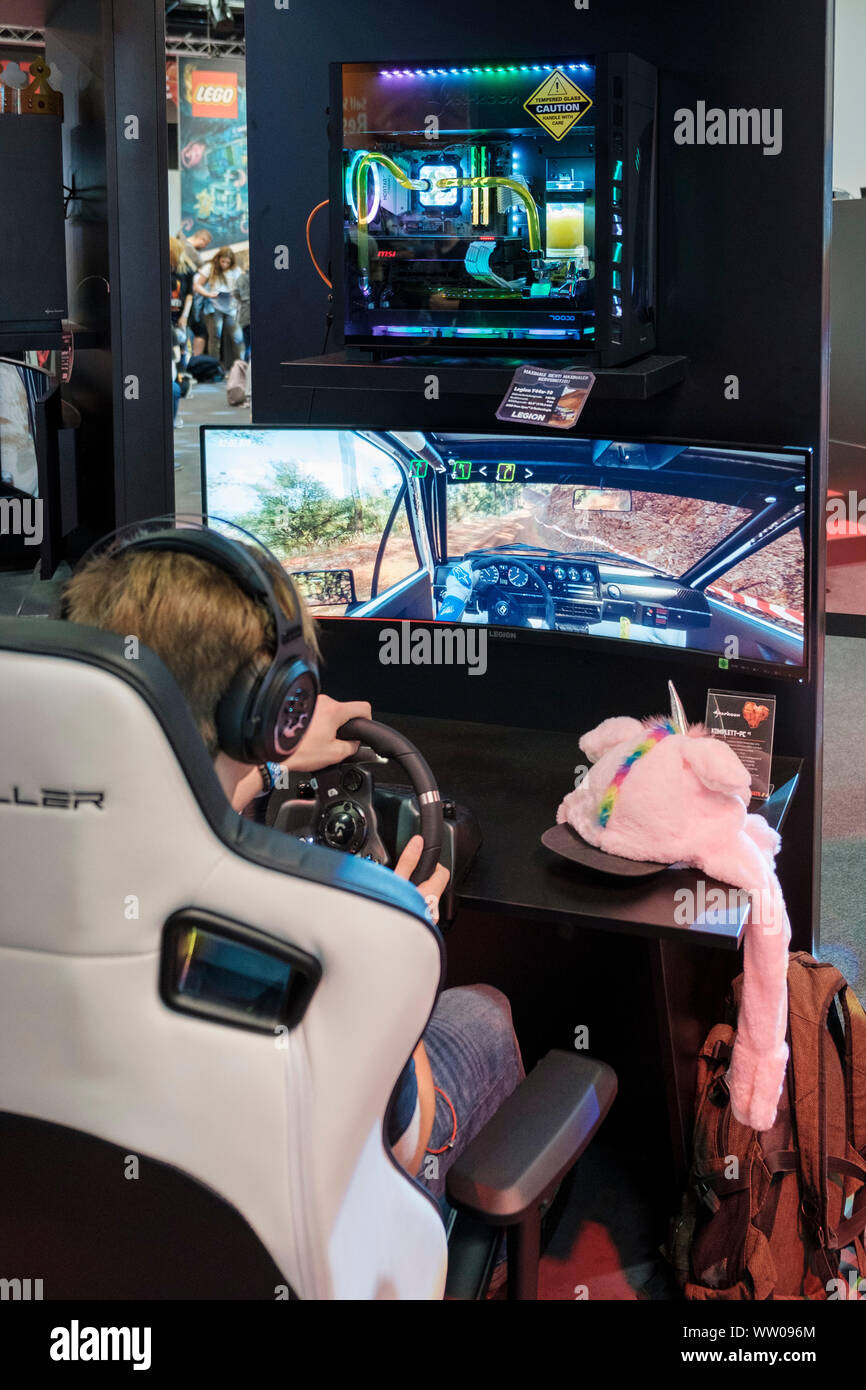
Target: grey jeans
[(475, 1059)]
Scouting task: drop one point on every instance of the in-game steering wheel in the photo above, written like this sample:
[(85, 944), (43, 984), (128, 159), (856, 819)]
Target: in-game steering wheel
[(338, 809), (503, 608)]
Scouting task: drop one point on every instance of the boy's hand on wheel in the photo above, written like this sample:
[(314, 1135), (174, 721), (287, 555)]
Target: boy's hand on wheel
[(433, 887), (320, 746)]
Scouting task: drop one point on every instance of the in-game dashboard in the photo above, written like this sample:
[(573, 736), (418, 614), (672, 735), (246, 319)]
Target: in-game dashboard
[(583, 595)]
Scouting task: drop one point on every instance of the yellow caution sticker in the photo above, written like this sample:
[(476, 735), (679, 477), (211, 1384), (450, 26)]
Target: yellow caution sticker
[(557, 104)]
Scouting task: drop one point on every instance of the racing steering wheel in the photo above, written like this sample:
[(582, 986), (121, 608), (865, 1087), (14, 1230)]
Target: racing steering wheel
[(506, 602), (342, 813)]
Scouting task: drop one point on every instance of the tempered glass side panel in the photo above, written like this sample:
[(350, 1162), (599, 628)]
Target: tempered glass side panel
[(469, 203)]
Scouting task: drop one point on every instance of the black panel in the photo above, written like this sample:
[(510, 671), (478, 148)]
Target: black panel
[(33, 265), (75, 1218), (134, 36)]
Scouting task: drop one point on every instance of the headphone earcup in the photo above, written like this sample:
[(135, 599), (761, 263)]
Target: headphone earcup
[(235, 710), (284, 708), (266, 710)]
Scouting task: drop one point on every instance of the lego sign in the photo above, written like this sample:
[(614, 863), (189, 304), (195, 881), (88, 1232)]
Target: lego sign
[(214, 94), (212, 149)]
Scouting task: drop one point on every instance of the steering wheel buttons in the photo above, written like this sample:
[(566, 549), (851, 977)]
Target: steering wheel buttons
[(343, 825), (352, 780)]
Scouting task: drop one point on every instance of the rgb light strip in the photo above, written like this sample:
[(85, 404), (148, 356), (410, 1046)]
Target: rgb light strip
[(498, 71)]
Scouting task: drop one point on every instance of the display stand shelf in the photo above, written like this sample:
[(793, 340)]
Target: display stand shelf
[(49, 338), (637, 381)]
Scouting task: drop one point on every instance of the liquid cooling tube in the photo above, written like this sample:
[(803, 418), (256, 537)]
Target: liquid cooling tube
[(361, 170), (498, 181)]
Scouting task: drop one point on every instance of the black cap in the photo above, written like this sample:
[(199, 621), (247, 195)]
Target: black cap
[(565, 841)]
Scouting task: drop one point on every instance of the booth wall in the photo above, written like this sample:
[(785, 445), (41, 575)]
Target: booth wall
[(741, 233), (743, 257)]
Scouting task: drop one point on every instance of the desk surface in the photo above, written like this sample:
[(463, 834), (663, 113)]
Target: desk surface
[(514, 779)]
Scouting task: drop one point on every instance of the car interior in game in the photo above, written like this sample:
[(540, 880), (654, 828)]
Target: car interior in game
[(688, 547)]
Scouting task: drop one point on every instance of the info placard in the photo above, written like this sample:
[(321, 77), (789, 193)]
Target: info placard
[(540, 396), (746, 723)]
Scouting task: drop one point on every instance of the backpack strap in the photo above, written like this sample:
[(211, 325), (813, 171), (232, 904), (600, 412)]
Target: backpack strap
[(811, 989), (855, 1224), (855, 1068), (710, 1182)]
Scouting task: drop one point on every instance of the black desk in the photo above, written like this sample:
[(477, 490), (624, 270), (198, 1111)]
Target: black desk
[(514, 779)]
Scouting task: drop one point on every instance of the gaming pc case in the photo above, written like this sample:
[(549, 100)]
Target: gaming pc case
[(495, 207)]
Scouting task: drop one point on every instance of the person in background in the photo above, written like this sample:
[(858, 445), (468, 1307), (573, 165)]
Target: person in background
[(180, 282), (242, 295), (175, 402), (216, 284), (195, 246), (180, 290)]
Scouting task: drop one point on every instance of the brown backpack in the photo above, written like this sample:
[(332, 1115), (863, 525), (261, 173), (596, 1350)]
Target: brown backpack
[(781, 1215)]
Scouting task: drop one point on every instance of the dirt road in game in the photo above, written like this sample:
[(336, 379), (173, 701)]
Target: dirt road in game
[(667, 533)]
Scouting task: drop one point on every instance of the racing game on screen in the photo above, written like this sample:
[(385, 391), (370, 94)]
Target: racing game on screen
[(681, 546)]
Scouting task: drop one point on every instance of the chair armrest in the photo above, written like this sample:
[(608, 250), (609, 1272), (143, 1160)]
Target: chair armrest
[(533, 1139)]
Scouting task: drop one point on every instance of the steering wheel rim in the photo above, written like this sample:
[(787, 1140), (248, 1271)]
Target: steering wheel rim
[(479, 563), (388, 743)]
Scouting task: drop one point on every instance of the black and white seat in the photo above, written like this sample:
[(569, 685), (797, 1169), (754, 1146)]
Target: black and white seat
[(151, 1152)]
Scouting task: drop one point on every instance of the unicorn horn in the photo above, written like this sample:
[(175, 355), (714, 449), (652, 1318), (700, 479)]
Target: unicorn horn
[(678, 714)]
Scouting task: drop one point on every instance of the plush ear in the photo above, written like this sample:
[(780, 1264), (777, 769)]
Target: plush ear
[(608, 734), (717, 766)]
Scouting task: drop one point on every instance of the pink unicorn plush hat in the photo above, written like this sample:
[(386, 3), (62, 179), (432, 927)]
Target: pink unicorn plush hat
[(661, 792)]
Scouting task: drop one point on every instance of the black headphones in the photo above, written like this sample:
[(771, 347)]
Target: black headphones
[(268, 707)]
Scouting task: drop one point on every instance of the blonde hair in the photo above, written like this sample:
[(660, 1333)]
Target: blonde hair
[(177, 257), (197, 619)]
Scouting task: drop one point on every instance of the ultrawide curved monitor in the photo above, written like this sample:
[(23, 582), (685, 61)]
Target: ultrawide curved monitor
[(693, 548)]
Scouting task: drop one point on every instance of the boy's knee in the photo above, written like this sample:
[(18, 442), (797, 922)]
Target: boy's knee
[(493, 1013), (495, 1004)]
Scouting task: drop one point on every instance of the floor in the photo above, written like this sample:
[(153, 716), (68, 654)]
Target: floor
[(606, 1245), (206, 406)]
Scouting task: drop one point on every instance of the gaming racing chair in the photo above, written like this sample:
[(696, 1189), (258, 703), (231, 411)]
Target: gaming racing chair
[(164, 1141)]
